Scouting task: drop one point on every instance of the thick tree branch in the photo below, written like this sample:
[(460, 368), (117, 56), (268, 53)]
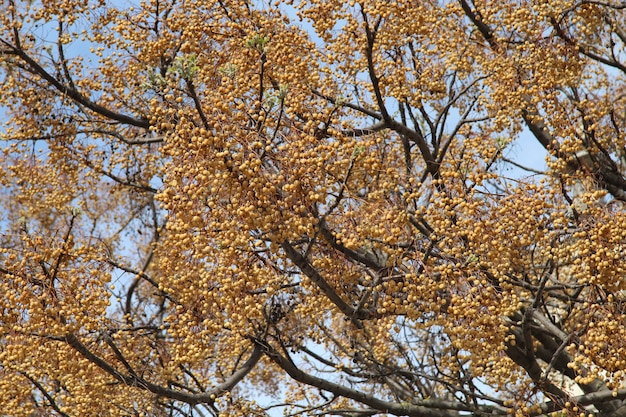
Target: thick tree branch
[(141, 383), (308, 270), (75, 95), (476, 18), (418, 408)]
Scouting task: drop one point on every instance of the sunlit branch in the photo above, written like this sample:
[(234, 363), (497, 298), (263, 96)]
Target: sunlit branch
[(141, 383), (586, 50), (196, 101), (315, 276), (141, 274), (418, 408), (46, 394), (37, 69), (364, 131), (474, 15), (352, 106), (62, 60), (523, 167)]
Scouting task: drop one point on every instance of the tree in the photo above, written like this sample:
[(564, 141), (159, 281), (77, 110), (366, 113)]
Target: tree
[(207, 201)]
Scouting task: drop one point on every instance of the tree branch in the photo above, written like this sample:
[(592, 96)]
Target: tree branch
[(37, 69), (189, 398), (308, 270), (418, 408)]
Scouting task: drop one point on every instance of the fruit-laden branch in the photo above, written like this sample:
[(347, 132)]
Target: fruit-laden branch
[(308, 270), (33, 67), (418, 408), (46, 394), (550, 350), (134, 380), (592, 398), (606, 171)]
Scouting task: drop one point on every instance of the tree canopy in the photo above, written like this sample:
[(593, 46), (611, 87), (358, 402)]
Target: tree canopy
[(216, 207)]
